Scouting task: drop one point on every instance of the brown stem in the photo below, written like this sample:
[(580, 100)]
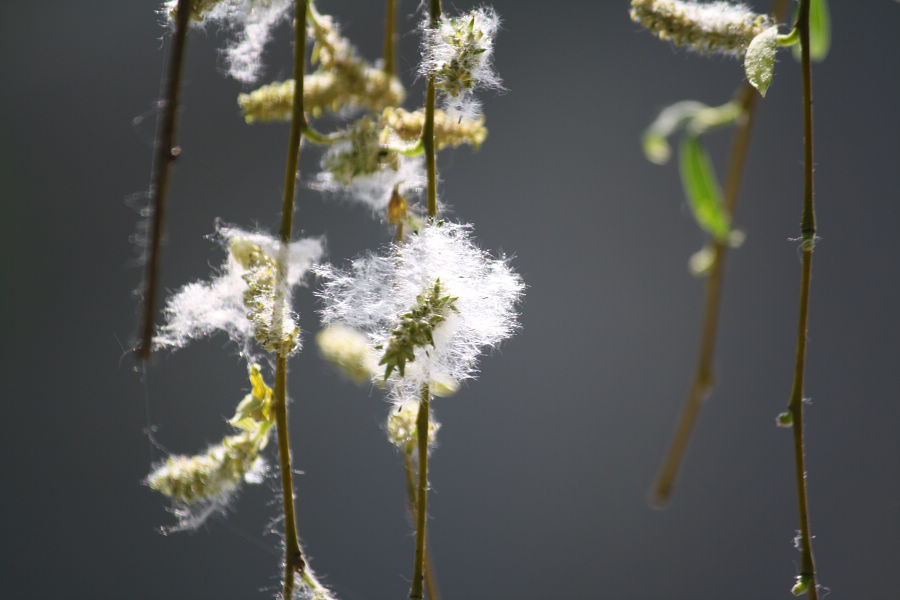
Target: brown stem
[(428, 129), (390, 37), (430, 579), (293, 555), (807, 236), (165, 153), (415, 592), (703, 376)]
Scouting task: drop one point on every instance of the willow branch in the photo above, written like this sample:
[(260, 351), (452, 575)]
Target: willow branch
[(807, 576), (165, 153), (428, 129), (293, 555), (703, 381), (390, 37), (430, 579), (415, 592)]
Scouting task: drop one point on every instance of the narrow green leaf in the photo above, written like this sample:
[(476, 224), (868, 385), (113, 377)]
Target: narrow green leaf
[(759, 61), (702, 188), (819, 31)]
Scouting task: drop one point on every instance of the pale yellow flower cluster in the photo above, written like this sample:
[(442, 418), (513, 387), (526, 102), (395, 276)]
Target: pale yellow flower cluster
[(274, 328), (401, 426), (342, 80), (450, 131), (368, 88), (713, 27)]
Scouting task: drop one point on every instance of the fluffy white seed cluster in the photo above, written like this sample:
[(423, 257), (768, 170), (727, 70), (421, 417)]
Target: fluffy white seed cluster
[(250, 22), (459, 54), (375, 291), (709, 27), (202, 308)]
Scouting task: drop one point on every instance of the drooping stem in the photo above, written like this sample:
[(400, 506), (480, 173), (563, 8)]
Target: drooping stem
[(428, 129), (390, 37), (703, 376), (293, 555), (298, 124), (807, 577), (415, 592), (165, 153), (703, 380), (430, 579)]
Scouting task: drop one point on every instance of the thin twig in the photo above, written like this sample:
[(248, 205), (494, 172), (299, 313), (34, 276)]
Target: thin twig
[(293, 555), (165, 153), (415, 592), (430, 579), (428, 129), (390, 37), (807, 574), (703, 376)]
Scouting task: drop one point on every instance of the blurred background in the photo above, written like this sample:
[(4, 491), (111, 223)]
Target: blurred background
[(541, 480)]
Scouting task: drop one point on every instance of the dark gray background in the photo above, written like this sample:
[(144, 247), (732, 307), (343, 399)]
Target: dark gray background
[(541, 478)]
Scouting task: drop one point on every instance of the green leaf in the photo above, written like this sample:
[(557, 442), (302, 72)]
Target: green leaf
[(702, 189), (759, 61), (819, 31)]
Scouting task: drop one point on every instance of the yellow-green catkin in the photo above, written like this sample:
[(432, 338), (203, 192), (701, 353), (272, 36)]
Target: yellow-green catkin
[(214, 473), (189, 479), (401, 426), (715, 27), (341, 80), (276, 333), (449, 131), (368, 88), (366, 153), (349, 351)]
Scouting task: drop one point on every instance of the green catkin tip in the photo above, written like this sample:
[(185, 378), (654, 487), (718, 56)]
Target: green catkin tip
[(656, 149), (784, 419), (801, 586), (416, 328)]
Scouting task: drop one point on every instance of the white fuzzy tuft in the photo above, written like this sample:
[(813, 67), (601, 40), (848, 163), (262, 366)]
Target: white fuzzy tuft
[(374, 189), (202, 308), (251, 23), (459, 54), (376, 290)]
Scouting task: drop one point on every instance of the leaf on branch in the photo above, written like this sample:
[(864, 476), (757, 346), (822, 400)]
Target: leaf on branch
[(759, 62), (702, 189)]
